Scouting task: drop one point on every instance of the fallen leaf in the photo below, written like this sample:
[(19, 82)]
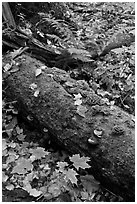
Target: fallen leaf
[(33, 86), (84, 195), (12, 145), (38, 72), (32, 158), (10, 187), (4, 177), (34, 192), (7, 67), (79, 162), (9, 132), (4, 144), (62, 165), (49, 42), (46, 167), (69, 84), (71, 175), (15, 69), (12, 124), (23, 166), (39, 152), (126, 106), (43, 67), (77, 96), (78, 102), (19, 130), (4, 152), (21, 137), (98, 133), (51, 75), (10, 159), (30, 118), (36, 93), (54, 189), (93, 141), (81, 110)]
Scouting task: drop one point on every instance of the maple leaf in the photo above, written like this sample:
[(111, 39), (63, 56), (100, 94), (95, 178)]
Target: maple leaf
[(79, 162), (62, 165), (78, 102), (39, 152), (23, 166), (77, 96), (54, 189), (71, 175)]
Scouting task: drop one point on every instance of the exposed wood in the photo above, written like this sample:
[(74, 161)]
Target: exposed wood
[(7, 15), (113, 159)]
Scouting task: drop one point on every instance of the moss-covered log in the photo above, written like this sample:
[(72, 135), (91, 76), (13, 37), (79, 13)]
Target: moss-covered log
[(71, 125)]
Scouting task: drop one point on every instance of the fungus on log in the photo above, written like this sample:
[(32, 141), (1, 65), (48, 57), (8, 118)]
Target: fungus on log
[(79, 120)]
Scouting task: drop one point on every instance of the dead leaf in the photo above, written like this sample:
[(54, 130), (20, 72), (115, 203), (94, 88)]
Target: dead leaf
[(71, 175), (81, 110), (78, 102), (4, 144), (12, 124), (21, 137), (12, 145), (79, 162), (7, 67), (37, 93), (4, 177), (15, 69), (69, 84), (77, 96), (84, 195), (23, 166), (33, 86), (98, 133), (62, 165), (10, 159), (10, 187), (34, 192), (19, 130), (39, 152), (43, 67), (54, 189), (38, 72)]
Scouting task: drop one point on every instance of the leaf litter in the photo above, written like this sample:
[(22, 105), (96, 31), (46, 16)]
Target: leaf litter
[(64, 172)]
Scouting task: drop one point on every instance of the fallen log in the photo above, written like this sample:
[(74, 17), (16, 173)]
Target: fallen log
[(72, 123)]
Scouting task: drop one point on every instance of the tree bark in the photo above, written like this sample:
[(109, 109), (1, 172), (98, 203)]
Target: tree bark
[(112, 159)]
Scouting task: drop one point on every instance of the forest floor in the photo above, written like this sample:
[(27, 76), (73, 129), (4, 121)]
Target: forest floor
[(33, 168)]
